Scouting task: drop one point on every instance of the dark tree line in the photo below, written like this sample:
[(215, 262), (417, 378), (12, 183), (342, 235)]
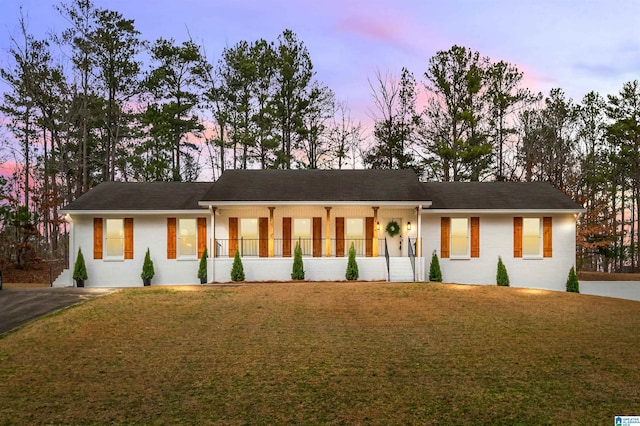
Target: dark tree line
[(97, 102)]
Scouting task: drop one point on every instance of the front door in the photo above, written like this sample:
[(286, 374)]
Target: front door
[(395, 243)]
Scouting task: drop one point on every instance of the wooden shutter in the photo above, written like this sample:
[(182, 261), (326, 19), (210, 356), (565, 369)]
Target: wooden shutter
[(475, 237), (547, 239), (339, 236), (368, 235), (445, 237), (317, 237), (202, 235), (171, 238), (97, 238), (517, 237), (263, 236), (233, 236), (128, 238), (286, 237)]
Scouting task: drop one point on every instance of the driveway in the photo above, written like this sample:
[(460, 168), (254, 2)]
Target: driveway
[(18, 306)]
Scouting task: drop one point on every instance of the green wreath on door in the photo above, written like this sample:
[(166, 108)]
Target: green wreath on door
[(392, 228)]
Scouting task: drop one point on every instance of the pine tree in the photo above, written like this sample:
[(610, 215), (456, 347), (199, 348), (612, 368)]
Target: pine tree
[(298, 268), (573, 286), (202, 268), (435, 275), (147, 267), (237, 271), (502, 278), (352, 265), (79, 269)]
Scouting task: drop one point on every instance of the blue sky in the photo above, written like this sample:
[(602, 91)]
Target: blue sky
[(578, 46)]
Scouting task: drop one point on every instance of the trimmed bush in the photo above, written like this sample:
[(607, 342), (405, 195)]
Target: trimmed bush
[(435, 275), (80, 269), (352, 265), (502, 278), (147, 267), (237, 270), (298, 268), (573, 286), (202, 268)]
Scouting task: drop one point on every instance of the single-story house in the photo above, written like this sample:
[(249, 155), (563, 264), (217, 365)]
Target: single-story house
[(393, 221)]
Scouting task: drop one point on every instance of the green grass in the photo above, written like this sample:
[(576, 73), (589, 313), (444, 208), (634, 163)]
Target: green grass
[(336, 353)]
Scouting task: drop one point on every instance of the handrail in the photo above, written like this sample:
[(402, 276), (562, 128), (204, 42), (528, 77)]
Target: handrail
[(412, 258), (386, 256)]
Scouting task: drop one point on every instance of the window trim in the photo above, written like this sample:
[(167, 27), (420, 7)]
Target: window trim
[(467, 254), (179, 236), (106, 240), (539, 254)]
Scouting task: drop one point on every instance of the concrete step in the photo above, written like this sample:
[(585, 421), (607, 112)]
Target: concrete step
[(64, 279), (400, 269)]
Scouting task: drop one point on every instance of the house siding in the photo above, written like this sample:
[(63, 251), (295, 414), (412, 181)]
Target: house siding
[(497, 239), (149, 231)]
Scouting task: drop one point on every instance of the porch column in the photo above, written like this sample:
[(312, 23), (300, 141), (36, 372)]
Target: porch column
[(327, 235), (214, 246), (375, 231), (271, 238)]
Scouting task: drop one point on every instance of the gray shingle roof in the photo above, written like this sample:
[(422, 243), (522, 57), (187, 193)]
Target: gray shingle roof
[(497, 196), (317, 186), (142, 196), (324, 186)]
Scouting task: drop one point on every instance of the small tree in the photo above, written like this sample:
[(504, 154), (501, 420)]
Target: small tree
[(237, 271), (147, 268), (80, 269), (573, 286), (502, 278), (435, 274), (298, 267), (352, 265), (202, 268)]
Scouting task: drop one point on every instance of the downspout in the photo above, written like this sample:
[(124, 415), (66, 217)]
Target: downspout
[(212, 211), (72, 247), (419, 243)]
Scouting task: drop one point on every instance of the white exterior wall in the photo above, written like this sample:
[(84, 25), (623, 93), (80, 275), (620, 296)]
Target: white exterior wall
[(315, 268), (496, 239), (148, 231)]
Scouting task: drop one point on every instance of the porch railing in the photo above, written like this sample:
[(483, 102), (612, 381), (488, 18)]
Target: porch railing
[(386, 257), (257, 247), (412, 256)]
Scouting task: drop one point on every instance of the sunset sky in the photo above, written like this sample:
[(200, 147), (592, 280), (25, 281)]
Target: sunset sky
[(578, 46)]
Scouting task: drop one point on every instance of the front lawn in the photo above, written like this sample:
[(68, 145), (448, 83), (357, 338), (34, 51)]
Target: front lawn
[(326, 353)]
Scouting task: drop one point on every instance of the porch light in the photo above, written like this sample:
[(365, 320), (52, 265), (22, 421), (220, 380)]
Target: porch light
[(377, 226), (408, 226)]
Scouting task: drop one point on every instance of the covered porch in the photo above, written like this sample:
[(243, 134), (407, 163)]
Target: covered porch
[(265, 237)]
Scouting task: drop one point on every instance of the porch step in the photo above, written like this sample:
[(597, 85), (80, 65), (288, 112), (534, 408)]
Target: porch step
[(64, 279), (400, 269)]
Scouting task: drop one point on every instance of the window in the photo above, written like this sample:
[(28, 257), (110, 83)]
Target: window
[(302, 233), (187, 238), (459, 237), (249, 236), (531, 237), (355, 235), (114, 238)]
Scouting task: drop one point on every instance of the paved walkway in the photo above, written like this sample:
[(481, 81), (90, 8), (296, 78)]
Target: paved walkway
[(620, 289), (18, 306)]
